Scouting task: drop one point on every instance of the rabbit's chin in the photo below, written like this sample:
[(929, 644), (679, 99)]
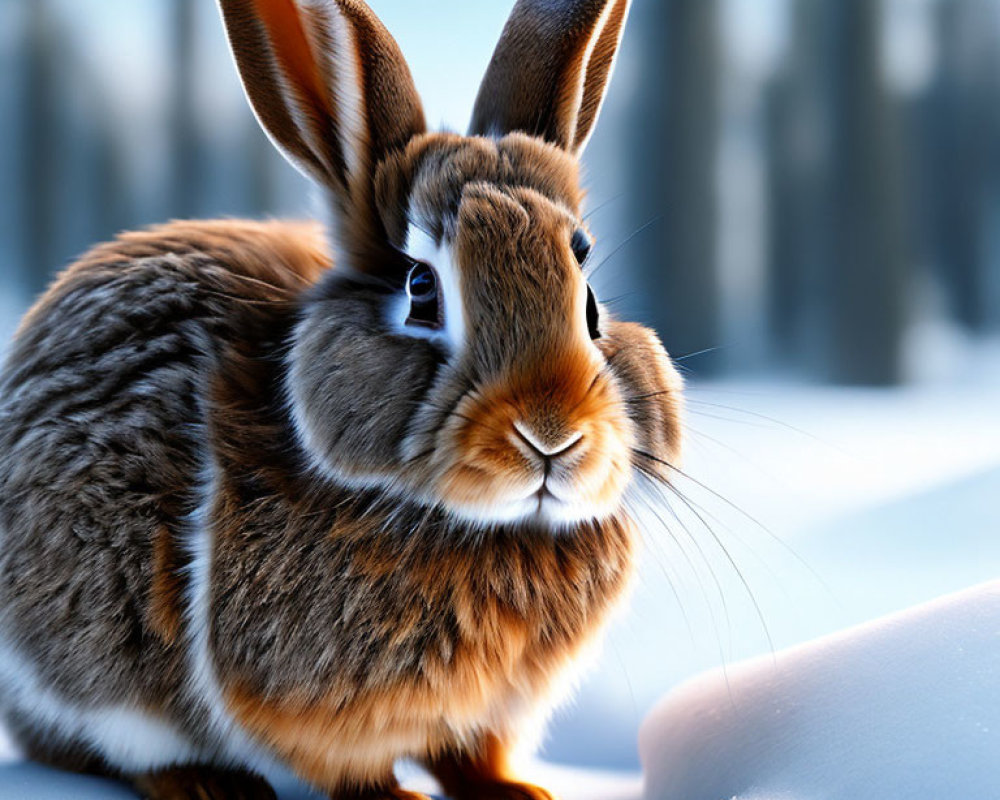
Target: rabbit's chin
[(539, 510)]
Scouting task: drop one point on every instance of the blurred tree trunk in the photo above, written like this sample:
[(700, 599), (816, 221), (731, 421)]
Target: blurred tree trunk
[(839, 250), (866, 279), (111, 216), (798, 151), (964, 137), (39, 175), (675, 148), (185, 172), (262, 180)]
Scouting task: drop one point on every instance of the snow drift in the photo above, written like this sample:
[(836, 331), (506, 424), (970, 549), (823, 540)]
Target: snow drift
[(906, 707)]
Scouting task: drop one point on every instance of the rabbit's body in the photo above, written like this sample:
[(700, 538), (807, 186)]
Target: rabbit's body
[(103, 449), (150, 483), (256, 510)]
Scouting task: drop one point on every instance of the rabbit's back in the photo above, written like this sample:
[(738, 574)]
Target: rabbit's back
[(100, 429)]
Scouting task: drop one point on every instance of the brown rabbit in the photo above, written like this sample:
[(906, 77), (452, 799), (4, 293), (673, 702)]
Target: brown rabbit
[(259, 511)]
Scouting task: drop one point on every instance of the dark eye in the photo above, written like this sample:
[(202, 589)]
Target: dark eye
[(582, 245), (425, 297), (593, 315)]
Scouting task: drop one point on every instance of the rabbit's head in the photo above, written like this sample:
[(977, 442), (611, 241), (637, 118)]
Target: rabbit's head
[(456, 356)]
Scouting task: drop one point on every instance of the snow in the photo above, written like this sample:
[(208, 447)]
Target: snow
[(904, 707)]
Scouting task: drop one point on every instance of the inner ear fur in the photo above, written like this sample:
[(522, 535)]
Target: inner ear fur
[(550, 72)]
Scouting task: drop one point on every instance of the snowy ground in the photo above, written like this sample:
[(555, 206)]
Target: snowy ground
[(902, 707), (836, 506)]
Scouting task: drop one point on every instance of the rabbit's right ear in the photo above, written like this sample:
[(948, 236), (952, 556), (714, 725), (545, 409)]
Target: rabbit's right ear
[(331, 88), (550, 71)]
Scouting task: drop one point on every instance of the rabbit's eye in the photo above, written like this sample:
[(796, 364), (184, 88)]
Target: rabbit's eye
[(425, 299), (593, 315), (582, 245)]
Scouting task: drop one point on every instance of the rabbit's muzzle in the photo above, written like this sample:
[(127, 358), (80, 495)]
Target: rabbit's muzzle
[(551, 445)]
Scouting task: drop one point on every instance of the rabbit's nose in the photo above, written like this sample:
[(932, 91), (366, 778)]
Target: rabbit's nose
[(548, 445)]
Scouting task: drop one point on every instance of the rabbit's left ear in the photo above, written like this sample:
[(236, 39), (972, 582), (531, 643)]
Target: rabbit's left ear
[(333, 91), (551, 70)]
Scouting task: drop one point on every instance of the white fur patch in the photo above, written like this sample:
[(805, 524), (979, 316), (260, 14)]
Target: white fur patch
[(421, 246), (127, 738), (237, 746)]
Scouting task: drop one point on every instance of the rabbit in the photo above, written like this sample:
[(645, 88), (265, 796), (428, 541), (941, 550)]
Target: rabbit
[(277, 496)]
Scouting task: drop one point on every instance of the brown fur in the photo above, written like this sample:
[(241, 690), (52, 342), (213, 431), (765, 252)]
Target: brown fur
[(165, 593), (219, 383), (72, 393), (549, 72)]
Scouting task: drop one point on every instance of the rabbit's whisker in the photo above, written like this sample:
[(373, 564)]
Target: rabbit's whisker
[(651, 483), (711, 531), (706, 351), (639, 231)]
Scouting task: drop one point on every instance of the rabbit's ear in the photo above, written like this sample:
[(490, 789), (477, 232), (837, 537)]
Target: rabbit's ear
[(551, 69), (329, 86)]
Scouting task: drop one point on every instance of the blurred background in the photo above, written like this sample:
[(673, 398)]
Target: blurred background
[(802, 196)]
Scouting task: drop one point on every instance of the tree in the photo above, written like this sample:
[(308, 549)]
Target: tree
[(675, 146), (798, 152), (39, 174), (185, 173), (867, 276), (963, 133)]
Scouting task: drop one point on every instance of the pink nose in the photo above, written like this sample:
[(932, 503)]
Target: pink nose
[(547, 446)]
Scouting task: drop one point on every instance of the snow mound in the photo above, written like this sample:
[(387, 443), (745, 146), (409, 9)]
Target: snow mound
[(904, 707)]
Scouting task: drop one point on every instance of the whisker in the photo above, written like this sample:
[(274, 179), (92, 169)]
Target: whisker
[(739, 539), (696, 574), (756, 415), (732, 562), (612, 301), (701, 552), (680, 496), (705, 352), (746, 515), (639, 397), (757, 466), (619, 248), (720, 418), (246, 300), (593, 212)]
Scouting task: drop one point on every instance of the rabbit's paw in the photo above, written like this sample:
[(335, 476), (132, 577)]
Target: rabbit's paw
[(506, 791), (202, 783)]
